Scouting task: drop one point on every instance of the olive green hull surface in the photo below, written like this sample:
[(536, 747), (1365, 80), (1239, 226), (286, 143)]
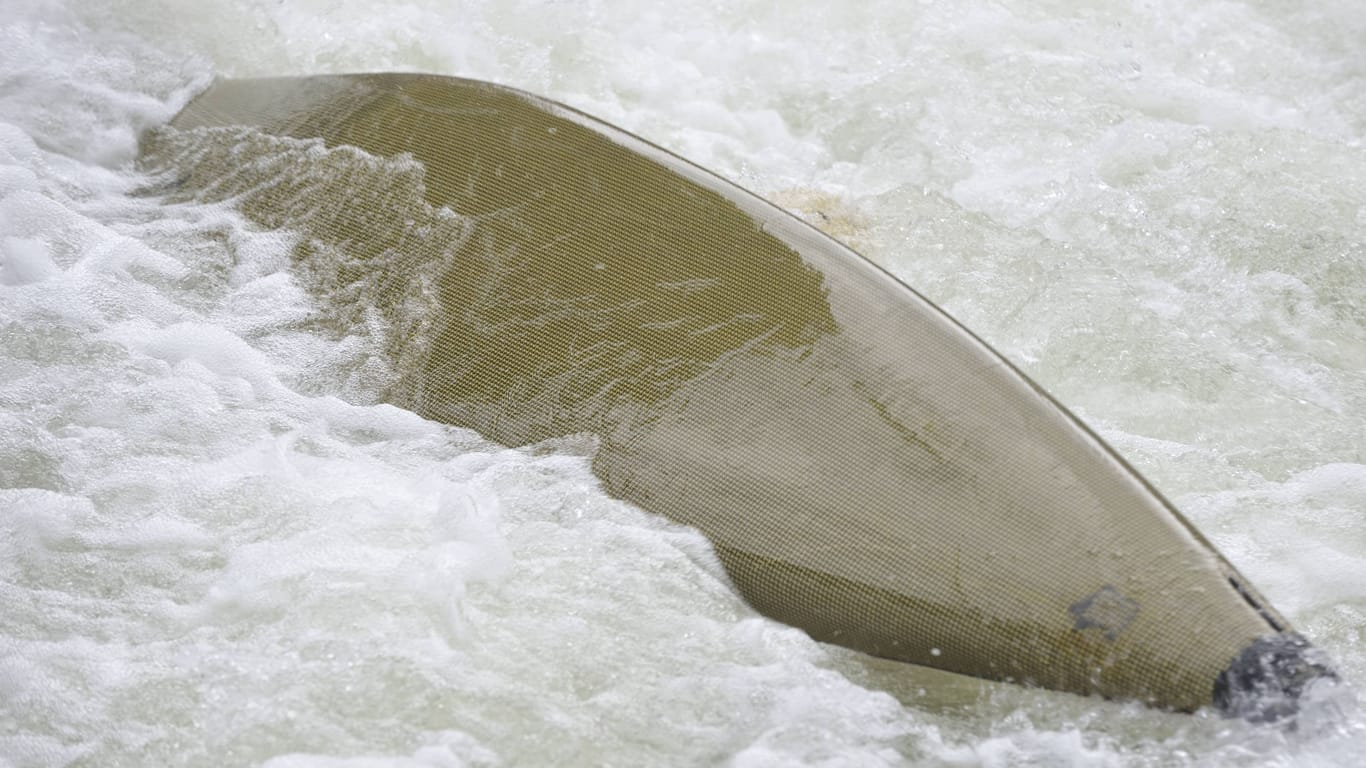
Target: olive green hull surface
[(867, 469)]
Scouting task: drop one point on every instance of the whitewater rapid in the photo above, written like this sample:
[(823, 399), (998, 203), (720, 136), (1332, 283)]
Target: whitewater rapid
[(217, 548)]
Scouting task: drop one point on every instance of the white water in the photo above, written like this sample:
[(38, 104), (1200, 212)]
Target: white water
[(208, 558)]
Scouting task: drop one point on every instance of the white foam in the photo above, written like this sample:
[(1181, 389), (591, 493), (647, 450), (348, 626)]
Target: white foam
[(208, 556), (24, 261)]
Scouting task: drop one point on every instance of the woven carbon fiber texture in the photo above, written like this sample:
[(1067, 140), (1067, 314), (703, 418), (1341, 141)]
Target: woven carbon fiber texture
[(867, 469)]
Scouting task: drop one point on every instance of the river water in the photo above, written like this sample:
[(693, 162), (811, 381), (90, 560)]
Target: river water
[(216, 549)]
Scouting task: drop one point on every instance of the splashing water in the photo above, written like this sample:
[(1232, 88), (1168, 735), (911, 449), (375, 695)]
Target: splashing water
[(217, 549)]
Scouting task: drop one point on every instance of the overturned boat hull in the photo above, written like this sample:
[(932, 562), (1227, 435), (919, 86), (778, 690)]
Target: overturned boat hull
[(868, 469)]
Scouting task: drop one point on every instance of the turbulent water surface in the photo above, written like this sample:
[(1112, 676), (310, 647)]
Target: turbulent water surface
[(216, 548)]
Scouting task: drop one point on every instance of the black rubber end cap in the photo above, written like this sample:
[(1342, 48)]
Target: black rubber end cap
[(1265, 682)]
